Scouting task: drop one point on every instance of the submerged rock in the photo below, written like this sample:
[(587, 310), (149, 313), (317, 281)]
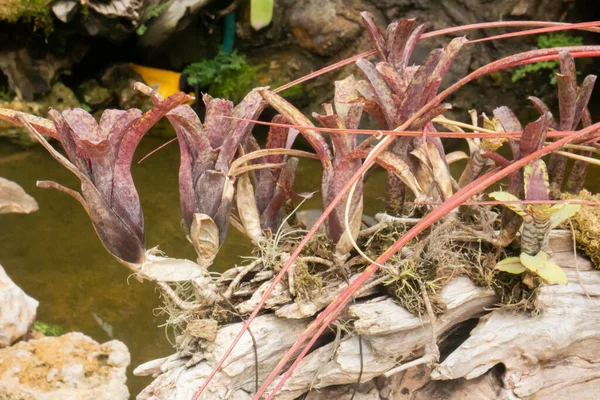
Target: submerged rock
[(72, 366), (17, 313)]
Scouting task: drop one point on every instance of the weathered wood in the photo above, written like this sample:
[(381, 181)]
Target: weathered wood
[(546, 356), (553, 355)]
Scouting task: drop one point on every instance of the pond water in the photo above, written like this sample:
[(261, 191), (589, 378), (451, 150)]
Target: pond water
[(56, 257)]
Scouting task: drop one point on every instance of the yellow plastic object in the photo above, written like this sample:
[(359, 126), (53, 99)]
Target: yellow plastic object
[(165, 82)]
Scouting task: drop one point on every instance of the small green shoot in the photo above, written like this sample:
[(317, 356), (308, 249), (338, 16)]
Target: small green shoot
[(538, 221), (49, 329)]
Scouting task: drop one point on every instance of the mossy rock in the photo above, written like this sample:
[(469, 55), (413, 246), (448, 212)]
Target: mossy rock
[(94, 95), (30, 11), (59, 98), (586, 224)]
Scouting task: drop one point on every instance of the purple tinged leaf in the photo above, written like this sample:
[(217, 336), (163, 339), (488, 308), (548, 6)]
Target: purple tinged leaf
[(208, 191), (536, 181), (370, 104), (412, 99), (41, 124), (196, 156), (510, 123), (65, 136), (215, 125), (347, 102), (374, 33), (188, 128), (393, 79), (266, 178), (567, 97), (448, 56), (583, 98), (94, 143), (277, 139), (295, 117), (382, 90), (390, 34), (567, 67), (534, 135), (114, 233), (404, 43), (270, 217), (543, 109), (249, 108), (397, 41), (186, 182), (126, 201)]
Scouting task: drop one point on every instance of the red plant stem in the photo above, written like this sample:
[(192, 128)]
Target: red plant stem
[(325, 70), (500, 203), (375, 132), (494, 66), (440, 32), (157, 149), (580, 25), (439, 212), (482, 25)]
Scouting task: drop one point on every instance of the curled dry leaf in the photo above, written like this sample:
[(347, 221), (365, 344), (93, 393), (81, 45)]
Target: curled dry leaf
[(204, 235), (13, 199), (247, 209), (164, 269)]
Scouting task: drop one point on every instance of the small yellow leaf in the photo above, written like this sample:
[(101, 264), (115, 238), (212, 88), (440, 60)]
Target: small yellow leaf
[(246, 205), (512, 265), (552, 273), (562, 214), (505, 196), (533, 263)]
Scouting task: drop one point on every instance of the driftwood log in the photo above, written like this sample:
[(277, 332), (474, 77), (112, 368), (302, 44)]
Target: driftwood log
[(486, 352)]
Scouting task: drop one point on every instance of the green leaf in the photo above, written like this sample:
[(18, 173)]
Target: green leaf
[(563, 213), (505, 196), (552, 273), (534, 263), (512, 265), (261, 13)]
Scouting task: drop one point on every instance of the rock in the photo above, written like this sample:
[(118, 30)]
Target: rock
[(172, 19), (23, 78), (17, 312), (113, 19), (72, 366), (13, 199), (119, 78), (65, 10), (324, 27), (32, 71), (95, 96), (59, 98)]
